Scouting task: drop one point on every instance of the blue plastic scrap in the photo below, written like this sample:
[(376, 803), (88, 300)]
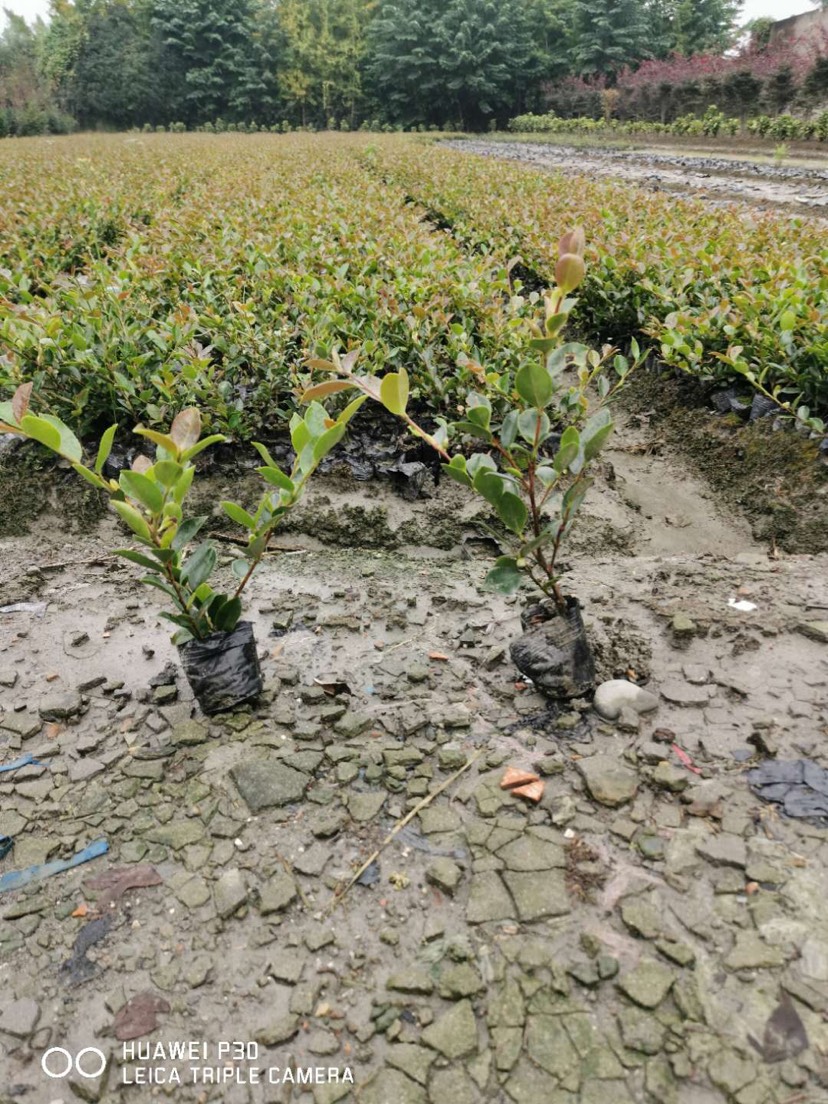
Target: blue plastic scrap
[(16, 879), (27, 760)]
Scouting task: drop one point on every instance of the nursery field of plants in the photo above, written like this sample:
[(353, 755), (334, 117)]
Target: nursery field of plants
[(486, 499), (140, 271)]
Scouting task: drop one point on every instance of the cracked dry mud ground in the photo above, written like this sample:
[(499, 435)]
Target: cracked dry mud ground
[(798, 190), (623, 941)]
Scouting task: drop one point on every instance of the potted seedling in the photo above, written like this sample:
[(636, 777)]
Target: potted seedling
[(217, 648), (525, 444)]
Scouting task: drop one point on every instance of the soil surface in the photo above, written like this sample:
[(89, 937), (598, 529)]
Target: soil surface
[(792, 188), (651, 931)]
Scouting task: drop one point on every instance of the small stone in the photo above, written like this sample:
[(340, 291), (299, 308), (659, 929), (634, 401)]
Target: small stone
[(647, 984), (8, 677), (277, 892), (177, 834), (20, 1018), (60, 707), (628, 720), (640, 1031), (679, 953), (81, 770), (814, 630), (750, 952), (229, 893), (189, 734), (488, 899), (411, 981), (365, 806), (608, 781), (612, 696), (730, 1073), (280, 1031), (267, 781), (538, 894), (724, 850), (459, 981), (312, 861), (683, 627), (444, 874), (529, 852), (684, 693), (194, 892), (454, 1034), (414, 1061), (390, 1085), (669, 777), (642, 918)]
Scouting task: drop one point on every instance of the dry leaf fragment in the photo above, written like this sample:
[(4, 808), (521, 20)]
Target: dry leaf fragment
[(119, 879), (438, 655), (80, 911), (139, 1016)]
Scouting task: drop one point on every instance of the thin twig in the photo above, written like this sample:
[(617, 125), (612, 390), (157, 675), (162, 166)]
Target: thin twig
[(398, 827)]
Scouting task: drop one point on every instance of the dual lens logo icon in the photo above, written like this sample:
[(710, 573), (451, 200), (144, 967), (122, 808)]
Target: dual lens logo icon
[(57, 1062)]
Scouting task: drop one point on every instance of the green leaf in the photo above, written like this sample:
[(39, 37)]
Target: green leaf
[(70, 446), (139, 558), (163, 586), (187, 530), (130, 516), (329, 439), (595, 433), (568, 449), (191, 453), (240, 567), (505, 577), (394, 391), (228, 617), (167, 472), (512, 511), (456, 470), (528, 426), (509, 429), (239, 515), (351, 409), (479, 461), (534, 384), (142, 489), (199, 566), (104, 448), (277, 478), (473, 429), (38, 429), (164, 442), (89, 476), (490, 485), (265, 455), (183, 485)]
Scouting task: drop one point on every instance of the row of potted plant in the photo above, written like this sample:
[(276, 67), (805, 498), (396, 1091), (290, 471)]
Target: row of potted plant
[(525, 444)]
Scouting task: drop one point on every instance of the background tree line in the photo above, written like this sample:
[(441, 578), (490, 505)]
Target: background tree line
[(127, 63)]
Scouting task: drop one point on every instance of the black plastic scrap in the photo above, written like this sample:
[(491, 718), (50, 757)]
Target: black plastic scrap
[(785, 1035), (799, 786), (78, 968)]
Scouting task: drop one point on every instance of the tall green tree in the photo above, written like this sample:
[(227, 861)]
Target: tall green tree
[(209, 47), (609, 34), (470, 60), (324, 49), (704, 26)]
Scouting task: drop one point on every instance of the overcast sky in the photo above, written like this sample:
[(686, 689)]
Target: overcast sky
[(753, 9)]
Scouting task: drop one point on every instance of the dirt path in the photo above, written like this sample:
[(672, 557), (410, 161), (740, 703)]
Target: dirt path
[(718, 179), (622, 941)]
